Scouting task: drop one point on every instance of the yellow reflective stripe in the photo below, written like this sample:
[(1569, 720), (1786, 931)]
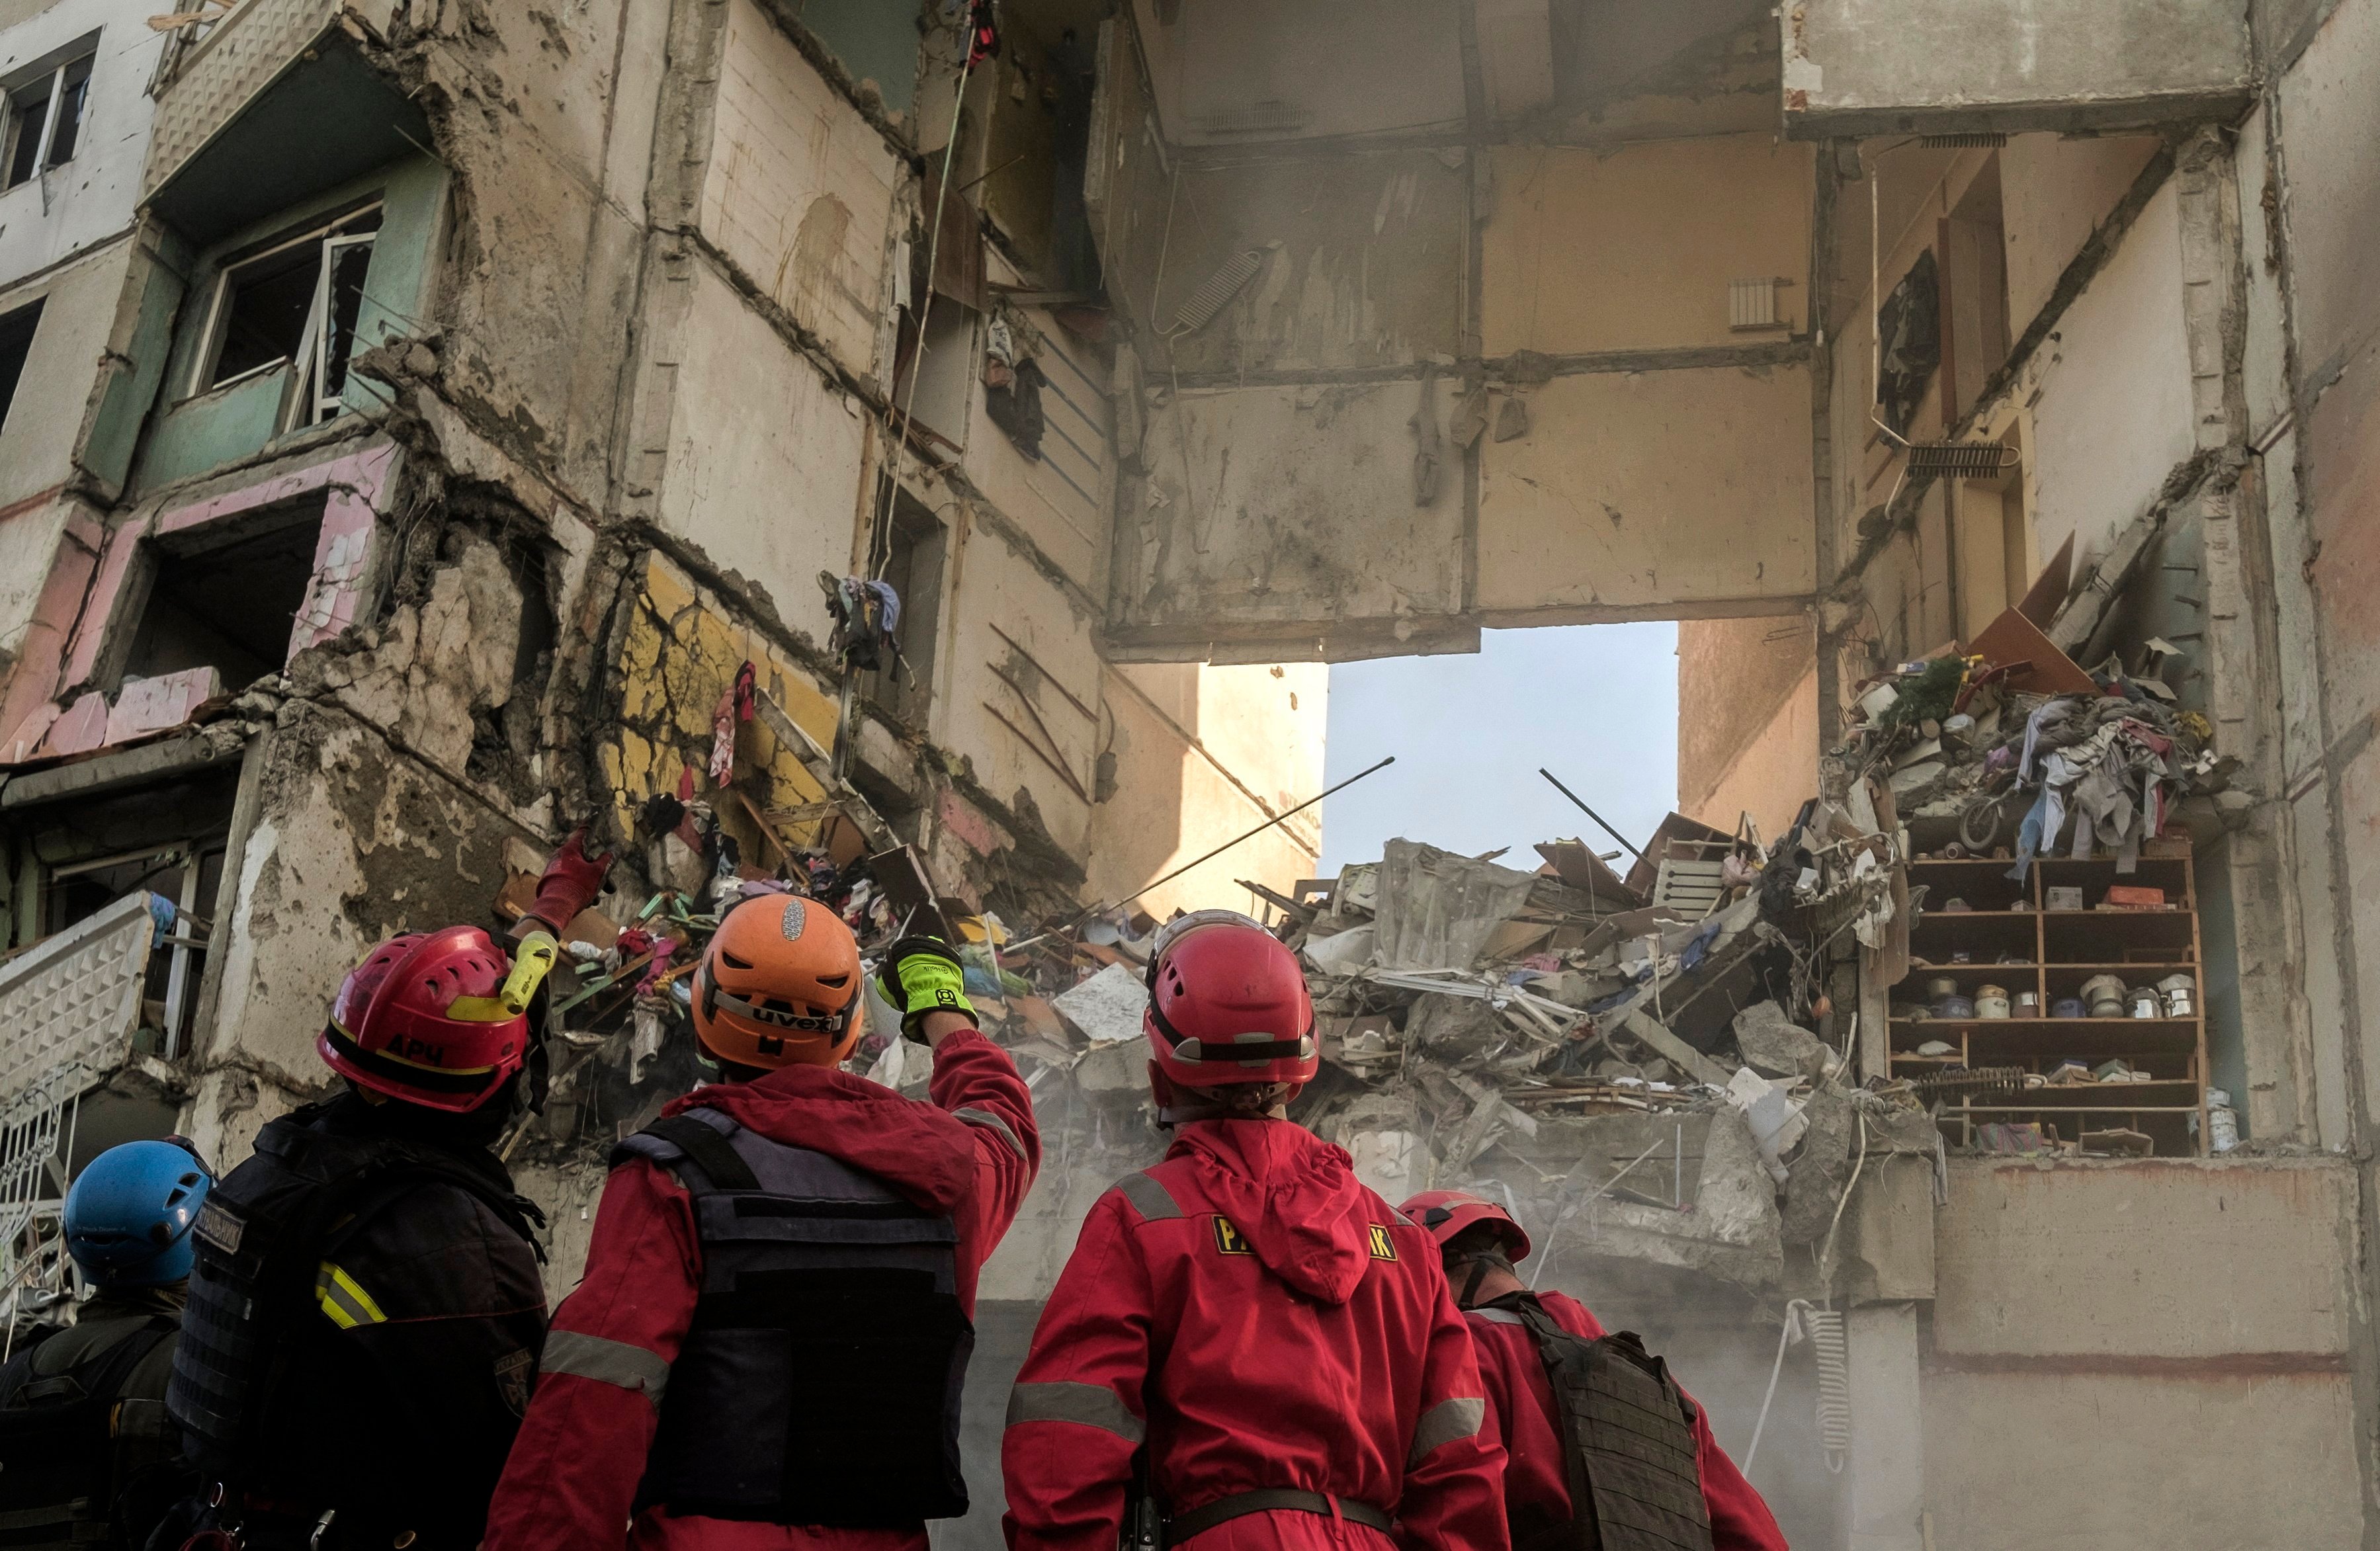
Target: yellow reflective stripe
[(344, 1301)]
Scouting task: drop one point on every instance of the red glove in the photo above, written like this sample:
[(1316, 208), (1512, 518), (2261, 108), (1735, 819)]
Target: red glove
[(571, 882)]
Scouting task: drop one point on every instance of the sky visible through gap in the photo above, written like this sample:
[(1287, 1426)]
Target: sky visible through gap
[(1596, 704)]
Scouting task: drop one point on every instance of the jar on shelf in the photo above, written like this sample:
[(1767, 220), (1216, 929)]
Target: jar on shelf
[(1991, 1001), (2222, 1122), (2104, 995)]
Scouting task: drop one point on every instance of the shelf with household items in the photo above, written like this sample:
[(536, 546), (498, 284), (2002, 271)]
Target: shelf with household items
[(2070, 1002)]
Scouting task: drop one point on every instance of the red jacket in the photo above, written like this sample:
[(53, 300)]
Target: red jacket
[(1537, 1483), (574, 1470), (1264, 1321)]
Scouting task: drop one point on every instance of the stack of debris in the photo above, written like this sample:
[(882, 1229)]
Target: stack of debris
[(2005, 747)]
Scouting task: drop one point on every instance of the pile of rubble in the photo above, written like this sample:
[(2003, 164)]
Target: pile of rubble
[(1636, 1059), (1618, 1054), (1988, 757), (2003, 745)]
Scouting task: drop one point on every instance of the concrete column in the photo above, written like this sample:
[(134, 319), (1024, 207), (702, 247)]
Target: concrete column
[(2243, 645), (1887, 1472)]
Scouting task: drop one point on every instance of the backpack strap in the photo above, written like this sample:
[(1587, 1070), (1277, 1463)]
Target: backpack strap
[(696, 1143), (86, 1393)]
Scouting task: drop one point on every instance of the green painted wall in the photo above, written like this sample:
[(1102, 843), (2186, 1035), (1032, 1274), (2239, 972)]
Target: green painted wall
[(190, 435), (132, 382)]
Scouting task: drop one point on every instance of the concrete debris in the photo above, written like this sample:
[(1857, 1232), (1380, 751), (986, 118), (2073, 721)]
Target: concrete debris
[(1107, 1007), (1438, 910), (1344, 952), (1775, 1047), (1777, 1122)]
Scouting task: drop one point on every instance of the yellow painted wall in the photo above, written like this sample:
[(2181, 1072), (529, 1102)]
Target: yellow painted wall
[(680, 653), (1174, 800)]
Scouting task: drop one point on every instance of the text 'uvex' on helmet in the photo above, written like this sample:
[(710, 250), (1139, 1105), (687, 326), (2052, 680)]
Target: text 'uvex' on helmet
[(780, 984)]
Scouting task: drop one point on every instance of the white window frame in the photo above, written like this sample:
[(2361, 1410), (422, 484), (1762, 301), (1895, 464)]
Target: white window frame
[(306, 406), (315, 351), (41, 163)]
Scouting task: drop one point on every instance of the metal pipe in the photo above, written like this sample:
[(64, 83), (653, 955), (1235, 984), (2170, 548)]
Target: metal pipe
[(1228, 843), (1590, 812)]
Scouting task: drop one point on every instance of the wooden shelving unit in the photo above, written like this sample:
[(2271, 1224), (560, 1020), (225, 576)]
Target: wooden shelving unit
[(2013, 940)]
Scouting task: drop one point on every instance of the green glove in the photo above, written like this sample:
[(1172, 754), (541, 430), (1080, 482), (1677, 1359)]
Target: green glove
[(920, 975)]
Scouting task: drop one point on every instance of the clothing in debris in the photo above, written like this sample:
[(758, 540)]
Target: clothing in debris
[(86, 1456), (2108, 762), (1263, 1322), (371, 1351), (1016, 407), (573, 1480), (1536, 1485)]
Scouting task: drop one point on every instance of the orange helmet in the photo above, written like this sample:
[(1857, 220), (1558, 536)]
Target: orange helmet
[(779, 986)]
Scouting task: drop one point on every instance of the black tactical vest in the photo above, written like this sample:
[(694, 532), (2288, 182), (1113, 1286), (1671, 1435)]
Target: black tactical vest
[(263, 1231), (70, 1446), (819, 1381), (1628, 1432)]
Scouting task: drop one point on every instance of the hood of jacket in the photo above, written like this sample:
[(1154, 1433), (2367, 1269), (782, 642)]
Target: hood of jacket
[(1293, 1196), (925, 1153)]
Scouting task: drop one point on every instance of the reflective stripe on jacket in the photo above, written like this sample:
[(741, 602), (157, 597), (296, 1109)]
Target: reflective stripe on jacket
[(572, 1480), (1260, 1320)]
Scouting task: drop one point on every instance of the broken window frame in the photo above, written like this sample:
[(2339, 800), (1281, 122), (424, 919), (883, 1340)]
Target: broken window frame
[(54, 85), (312, 363)]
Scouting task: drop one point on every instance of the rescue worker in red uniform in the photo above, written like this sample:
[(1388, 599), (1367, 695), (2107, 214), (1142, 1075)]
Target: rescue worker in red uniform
[(1245, 1327), (769, 1345), (1481, 1242)]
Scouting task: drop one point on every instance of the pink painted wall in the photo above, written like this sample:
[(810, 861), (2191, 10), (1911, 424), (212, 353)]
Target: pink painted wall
[(88, 581)]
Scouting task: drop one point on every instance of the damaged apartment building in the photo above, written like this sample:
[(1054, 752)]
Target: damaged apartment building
[(419, 413), (421, 417)]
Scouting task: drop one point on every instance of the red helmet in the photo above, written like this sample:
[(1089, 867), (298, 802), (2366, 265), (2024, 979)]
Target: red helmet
[(1227, 1005), (1446, 1212), (421, 1020)]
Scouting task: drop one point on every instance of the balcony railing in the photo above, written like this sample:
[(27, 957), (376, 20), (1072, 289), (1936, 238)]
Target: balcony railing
[(69, 1008), (239, 57)]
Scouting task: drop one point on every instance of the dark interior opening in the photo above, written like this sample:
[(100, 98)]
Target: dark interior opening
[(915, 569), (168, 840), (270, 298), (230, 606), (16, 343), (68, 133)]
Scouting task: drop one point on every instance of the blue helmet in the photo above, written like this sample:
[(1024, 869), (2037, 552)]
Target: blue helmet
[(130, 1213)]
